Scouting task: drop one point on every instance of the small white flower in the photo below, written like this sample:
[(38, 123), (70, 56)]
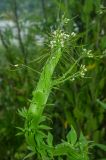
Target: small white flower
[(83, 69), (102, 32), (89, 54), (54, 32), (59, 38), (104, 52), (73, 34), (52, 43), (66, 36), (53, 57), (84, 50), (66, 20), (100, 12), (72, 79), (16, 65)]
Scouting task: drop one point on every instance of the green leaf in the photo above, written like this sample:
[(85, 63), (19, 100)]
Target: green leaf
[(101, 146), (22, 130), (42, 119), (82, 142), (44, 127), (42, 134), (103, 105), (72, 136), (29, 155), (88, 6), (50, 139), (19, 133), (23, 112), (66, 149)]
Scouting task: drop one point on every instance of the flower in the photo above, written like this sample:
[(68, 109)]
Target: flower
[(66, 20), (88, 53), (73, 34), (72, 79), (16, 65), (59, 38), (83, 69)]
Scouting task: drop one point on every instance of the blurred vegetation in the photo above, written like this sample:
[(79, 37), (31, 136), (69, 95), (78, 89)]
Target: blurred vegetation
[(24, 50)]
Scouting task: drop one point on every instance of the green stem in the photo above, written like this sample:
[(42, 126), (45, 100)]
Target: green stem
[(44, 86)]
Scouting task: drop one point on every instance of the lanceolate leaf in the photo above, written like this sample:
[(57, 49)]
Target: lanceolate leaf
[(103, 105), (50, 139), (101, 146), (44, 127), (29, 155)]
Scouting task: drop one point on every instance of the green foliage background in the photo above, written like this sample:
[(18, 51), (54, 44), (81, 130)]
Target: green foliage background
[(73, 103)]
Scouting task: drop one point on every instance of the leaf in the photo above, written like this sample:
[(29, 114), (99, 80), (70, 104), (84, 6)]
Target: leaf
[(42, 134), (22, 129), (50, 139), (72, 136), (42, 119), (66, 149), (19, 133), (29, 155), (44, 127), (23, 112), (82, 142), (101, 146), (60, 149), (88, 6), (103, 105)]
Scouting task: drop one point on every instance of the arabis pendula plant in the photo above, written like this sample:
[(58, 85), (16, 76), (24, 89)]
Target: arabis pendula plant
[(37, 134)]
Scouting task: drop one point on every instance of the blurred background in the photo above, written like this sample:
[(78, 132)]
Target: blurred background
[(25, 26)]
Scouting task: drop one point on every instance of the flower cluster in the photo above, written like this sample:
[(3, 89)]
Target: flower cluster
[(83, 69), (65, 20), (59, 38), (88, 53)]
